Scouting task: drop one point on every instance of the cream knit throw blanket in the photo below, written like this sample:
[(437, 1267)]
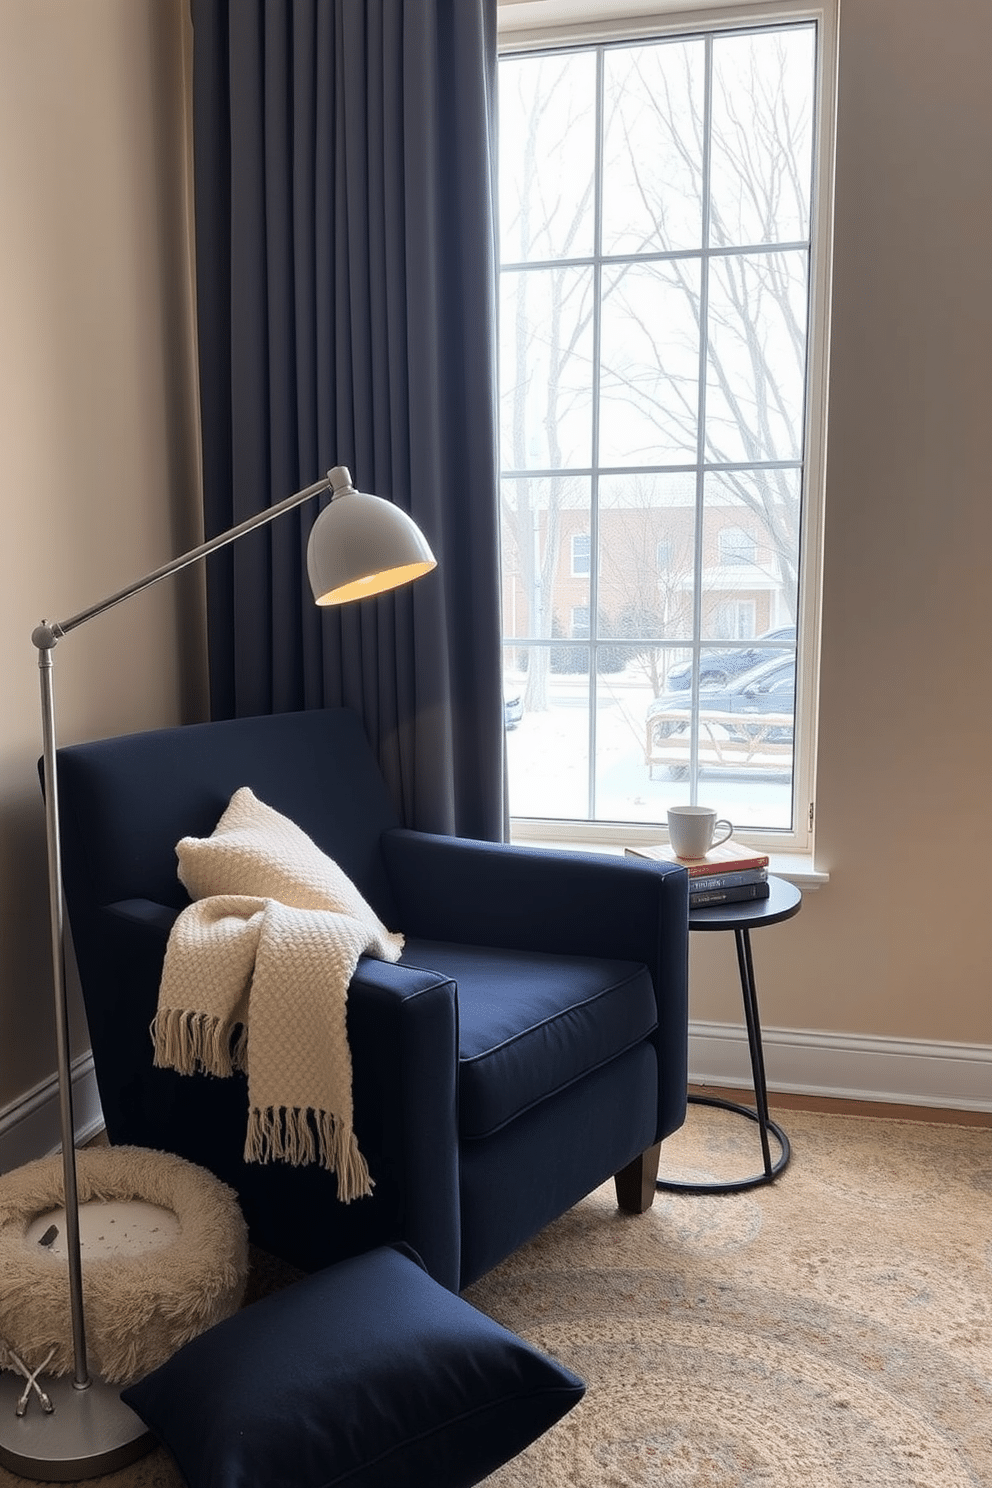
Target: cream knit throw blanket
[(256, 978)]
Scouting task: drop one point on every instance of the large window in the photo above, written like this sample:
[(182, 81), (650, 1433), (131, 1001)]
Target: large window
[(661, 303)]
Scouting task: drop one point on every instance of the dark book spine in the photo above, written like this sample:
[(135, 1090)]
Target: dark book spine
[(728, 896), (731, 880)]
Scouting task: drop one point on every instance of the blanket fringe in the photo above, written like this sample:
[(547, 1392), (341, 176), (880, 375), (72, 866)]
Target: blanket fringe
[(296, 1135), (198, 1043)]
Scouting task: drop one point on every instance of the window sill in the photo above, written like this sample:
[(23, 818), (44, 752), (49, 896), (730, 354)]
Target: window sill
[(796, 868)]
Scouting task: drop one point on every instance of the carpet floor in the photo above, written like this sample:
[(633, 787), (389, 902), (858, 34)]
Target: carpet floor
[(833, 1329)]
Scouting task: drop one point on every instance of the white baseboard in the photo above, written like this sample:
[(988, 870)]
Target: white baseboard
[(32, 1127), (847, 1066)]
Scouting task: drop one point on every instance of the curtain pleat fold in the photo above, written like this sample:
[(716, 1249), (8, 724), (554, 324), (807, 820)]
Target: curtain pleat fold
[(346, 286)]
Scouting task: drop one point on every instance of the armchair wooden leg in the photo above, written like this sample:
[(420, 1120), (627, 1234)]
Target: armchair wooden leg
[(635, 1184)]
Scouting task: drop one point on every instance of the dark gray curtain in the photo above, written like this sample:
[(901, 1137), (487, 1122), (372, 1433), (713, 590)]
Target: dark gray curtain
[(345, 245)]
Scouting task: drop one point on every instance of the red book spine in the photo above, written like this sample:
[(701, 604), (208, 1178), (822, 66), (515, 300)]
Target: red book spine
[(737, 865)]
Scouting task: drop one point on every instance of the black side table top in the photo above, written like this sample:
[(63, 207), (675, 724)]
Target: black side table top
[(784, 901)]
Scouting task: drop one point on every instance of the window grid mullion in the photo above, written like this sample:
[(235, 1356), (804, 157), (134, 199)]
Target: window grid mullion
[(597, 270), (704, 286), (726, 250)]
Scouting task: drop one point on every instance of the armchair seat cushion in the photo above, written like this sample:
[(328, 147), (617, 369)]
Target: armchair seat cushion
[(531, 1024)]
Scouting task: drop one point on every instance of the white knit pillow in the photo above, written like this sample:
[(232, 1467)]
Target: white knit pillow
[(254, 850)]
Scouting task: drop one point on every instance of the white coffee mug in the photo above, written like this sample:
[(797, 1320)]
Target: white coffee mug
[(693, 830)]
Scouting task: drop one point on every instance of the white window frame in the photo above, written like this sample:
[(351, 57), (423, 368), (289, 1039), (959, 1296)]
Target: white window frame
[(529, 25)]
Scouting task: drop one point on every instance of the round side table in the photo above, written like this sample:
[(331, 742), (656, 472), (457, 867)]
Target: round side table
[(784, 901)]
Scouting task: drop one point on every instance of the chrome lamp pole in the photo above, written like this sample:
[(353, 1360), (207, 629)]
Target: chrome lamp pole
[(66, 1430)]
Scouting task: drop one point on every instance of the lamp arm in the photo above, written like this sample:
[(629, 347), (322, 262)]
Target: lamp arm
[(48, 632)]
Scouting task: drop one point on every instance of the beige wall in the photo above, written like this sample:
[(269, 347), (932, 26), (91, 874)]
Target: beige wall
[(96, 421), (898, 943), (98, 474)]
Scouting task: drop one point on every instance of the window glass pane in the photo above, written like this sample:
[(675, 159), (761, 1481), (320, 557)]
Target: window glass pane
[(756, 356), (624, 790), (751, 547), (737, 548), (547, 156), (647, 544), (739, 747), (540, 517), (762, 150), (647, 749), (653, 147), (545, 360), (735, 619), (547, 748), (649, 394)]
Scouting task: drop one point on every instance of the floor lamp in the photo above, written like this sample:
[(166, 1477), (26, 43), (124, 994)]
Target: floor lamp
[(80, 1428)]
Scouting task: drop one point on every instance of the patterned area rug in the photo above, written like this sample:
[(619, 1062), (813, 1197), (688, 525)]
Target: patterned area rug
[(833, 1329)]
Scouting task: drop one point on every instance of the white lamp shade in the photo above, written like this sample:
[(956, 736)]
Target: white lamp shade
[(361, 544)]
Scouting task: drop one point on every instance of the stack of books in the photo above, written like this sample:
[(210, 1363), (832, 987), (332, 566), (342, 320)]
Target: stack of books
[(728, 874)]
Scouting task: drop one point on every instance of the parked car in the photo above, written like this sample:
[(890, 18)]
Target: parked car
[(718, 668), (768, 688)]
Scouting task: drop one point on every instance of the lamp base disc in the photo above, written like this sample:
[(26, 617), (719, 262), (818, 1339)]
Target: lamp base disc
[(90, 1431)]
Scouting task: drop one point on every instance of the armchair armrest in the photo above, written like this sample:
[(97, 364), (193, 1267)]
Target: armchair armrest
[(402, 1033), (486, 893), (494, 894)]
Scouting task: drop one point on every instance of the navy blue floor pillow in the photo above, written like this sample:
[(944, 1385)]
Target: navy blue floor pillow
[(368, 1374)]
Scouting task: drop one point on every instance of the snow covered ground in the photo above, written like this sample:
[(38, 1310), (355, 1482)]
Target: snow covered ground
[(548, 757)]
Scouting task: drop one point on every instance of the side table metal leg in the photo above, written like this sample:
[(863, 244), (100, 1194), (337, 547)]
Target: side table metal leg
[(753, 1023), (760, 1114)]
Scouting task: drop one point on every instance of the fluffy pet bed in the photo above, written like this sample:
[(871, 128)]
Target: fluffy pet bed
[(138, 1308)]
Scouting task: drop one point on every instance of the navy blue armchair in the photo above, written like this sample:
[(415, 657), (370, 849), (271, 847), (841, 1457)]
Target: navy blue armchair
[(530, 1043)]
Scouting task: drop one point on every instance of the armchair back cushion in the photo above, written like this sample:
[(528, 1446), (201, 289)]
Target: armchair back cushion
[(126, 803)]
